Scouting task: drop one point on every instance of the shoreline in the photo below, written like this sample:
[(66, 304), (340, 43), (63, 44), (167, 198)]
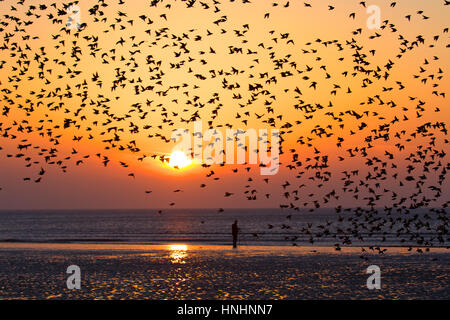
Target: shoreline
[(178, 246)]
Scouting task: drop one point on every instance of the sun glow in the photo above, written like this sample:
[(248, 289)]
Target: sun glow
[(178, 253), (179, 160), (178, 247)]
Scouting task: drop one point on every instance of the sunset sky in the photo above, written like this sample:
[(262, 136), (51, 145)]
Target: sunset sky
[(177, 93)]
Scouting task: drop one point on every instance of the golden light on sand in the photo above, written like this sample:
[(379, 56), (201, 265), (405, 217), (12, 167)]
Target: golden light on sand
[(178, 252), (179, 160)]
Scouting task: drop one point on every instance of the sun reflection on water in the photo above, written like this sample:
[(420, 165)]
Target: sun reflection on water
[(178, 253)]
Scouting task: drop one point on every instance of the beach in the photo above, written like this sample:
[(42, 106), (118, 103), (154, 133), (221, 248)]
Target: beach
[(178, 271)]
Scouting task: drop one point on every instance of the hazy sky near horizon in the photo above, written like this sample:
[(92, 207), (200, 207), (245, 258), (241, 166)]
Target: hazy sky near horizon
[(91, 185)]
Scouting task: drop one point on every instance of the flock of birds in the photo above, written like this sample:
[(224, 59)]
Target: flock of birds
[(123, 74)]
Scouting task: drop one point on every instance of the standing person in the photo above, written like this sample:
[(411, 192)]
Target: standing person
[(235, 231)]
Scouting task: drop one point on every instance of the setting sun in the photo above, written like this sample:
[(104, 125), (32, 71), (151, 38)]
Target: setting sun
[(179, 160)]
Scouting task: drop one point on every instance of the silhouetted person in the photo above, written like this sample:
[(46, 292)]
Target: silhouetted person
[(235, 231)]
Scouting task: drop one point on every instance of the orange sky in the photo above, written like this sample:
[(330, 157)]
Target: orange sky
[(92, 186)]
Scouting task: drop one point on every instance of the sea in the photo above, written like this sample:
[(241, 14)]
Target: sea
[(209, 226)]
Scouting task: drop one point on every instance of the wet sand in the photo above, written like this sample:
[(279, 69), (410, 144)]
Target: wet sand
[(122, 271)]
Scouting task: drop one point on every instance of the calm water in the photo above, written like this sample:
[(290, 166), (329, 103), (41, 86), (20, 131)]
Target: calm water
[(195, 226)]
